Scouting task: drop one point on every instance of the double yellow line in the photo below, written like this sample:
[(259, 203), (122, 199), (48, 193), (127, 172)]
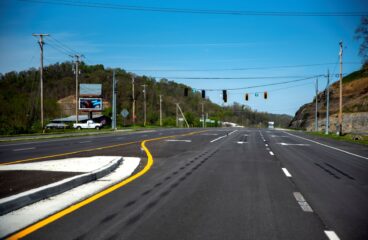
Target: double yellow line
[(28, 230)]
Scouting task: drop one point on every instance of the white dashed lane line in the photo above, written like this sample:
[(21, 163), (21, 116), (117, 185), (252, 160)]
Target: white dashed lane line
[(332, 235), (216, 139), (178, 140), (271, 153), (302, 203), (23, 149), (85, 142), (286, 172)]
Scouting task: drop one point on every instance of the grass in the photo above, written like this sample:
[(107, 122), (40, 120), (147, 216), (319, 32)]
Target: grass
[(345, 138)]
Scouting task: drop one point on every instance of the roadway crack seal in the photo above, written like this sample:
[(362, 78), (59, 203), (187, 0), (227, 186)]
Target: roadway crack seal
[(34, 227)]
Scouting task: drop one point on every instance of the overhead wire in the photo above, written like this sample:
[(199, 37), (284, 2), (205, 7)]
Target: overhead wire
[(261, 85), (197, 11), (238, 69)]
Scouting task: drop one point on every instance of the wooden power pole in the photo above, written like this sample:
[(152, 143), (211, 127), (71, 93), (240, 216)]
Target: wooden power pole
[(41, 43)]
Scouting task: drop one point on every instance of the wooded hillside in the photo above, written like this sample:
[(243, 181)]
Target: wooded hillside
[(20, 111)]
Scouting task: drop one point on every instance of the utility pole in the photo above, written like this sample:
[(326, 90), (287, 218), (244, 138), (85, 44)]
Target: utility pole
[(182, 114), (76, 72), (114, 91), (133, 107), (41, 42), (144, 104), (161, 110), (316, 111), (203, 114), (177, 115), (328, 103), (340, 103)]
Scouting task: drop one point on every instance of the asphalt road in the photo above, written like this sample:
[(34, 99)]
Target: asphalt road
[(219, 184)]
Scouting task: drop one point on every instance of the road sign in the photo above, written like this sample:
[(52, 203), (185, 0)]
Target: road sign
[(124, 113)]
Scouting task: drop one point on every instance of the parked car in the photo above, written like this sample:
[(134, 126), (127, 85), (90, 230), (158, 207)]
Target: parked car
[(56, 125), (88, 125)]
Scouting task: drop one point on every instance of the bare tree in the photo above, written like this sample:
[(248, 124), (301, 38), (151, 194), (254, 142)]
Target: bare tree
[(361, 34)]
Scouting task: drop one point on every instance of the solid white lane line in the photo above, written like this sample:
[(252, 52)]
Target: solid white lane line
[(272, 153), (331, 235), (337, 149), (23, 149), (286, 172), (216, 139), (177, 140), (302, 203), (85, 142)]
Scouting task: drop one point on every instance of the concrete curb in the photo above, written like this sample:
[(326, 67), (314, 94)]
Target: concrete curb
[(23, 199)]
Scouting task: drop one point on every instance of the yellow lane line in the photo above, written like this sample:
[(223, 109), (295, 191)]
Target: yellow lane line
[(74, 207), (69, 153)]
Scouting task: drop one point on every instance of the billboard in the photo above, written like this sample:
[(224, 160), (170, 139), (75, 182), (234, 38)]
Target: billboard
[(90, 89), (90, 104)]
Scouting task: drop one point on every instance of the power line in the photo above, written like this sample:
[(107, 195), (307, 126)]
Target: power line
[(275, 90), (237, 69), (197, 11), (232, 78), (66, 47), (61, 50), (261, 85)]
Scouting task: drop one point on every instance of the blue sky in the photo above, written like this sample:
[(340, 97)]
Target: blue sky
[(141, 41)]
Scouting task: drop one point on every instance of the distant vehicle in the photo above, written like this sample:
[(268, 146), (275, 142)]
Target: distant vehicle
[(271, 125), (88, 125), (56, 125)]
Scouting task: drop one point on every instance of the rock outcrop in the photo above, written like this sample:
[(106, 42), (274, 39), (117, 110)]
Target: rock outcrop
[(355, 107)]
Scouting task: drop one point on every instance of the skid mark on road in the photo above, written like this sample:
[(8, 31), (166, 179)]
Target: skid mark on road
[(97, 196)]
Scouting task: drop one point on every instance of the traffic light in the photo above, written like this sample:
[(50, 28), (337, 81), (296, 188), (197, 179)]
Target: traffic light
[(265, 95), (246, 97), (186, 90), (203, 94), (224, 95)]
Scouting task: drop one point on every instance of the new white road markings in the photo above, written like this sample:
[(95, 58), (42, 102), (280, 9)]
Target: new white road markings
[(216, 139), (293, 144), (332, 235), (25, 216), (302, 203), (23, 149), (286, 172), (325, 145), (177, 140)]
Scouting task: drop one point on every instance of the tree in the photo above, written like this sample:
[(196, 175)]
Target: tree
[(361, 34)]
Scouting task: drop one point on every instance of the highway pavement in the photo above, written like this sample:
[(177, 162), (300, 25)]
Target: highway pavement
[(233, 183)]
